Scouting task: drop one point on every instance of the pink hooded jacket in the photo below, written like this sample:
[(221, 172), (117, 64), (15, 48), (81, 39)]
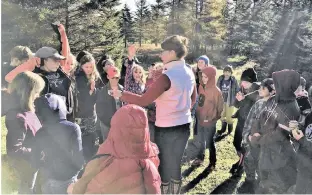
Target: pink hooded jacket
[(132, 165)]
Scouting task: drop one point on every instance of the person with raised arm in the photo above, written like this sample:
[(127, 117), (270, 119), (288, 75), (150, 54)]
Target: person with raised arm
[(174, 93)]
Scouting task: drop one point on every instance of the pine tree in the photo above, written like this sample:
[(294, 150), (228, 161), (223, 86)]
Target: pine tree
[(142, 17), (157, 25), (96, 25), (126, 24)]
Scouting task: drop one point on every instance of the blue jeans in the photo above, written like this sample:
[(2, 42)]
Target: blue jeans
[(171, 142), (51, 186), (206, 135)]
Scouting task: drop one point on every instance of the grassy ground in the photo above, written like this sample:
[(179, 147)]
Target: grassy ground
[(196, 181)]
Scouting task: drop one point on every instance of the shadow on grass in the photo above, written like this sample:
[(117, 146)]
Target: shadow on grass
[(195, 181), (188, 171), (221, 137), (228, 186)]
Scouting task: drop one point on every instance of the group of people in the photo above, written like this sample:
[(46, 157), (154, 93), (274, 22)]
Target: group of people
[(272, 137), (80, 126)]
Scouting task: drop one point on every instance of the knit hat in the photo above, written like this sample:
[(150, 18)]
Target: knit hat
[(113, 72), (228, 68), (268, 83), (249, 75), (303, 82), (205, 58)]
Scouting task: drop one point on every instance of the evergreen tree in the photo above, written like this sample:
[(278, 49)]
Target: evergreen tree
[(126, 24), (142, 18), (157, 25)]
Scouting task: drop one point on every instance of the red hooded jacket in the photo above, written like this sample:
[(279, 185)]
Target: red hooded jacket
[(132, 165), (210, 104)]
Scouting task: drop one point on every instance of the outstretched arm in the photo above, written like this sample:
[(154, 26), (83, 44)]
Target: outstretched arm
[(29, 65), (65, 47)]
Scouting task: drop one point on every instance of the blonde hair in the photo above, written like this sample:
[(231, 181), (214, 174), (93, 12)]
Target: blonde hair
[(137, 67), (21, 53), (26, 85), (74, 61), (95, 74)]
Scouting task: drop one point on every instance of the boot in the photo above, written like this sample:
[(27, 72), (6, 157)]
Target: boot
[(165, 188), (175, 186), (230, 128), (239, 171), (223, 129), (238, 168), (234, 167)]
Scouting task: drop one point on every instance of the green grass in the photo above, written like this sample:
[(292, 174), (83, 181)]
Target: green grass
[(218, 181), (9, 183)]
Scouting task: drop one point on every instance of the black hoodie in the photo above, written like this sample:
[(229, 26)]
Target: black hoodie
[(276, 149), (86, 102), (60, 84)]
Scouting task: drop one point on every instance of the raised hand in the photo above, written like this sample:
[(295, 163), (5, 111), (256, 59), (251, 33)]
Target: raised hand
[(131, 51), (61, 28), (92, 87)]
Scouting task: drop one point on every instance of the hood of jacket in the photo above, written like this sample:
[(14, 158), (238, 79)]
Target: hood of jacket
[(51, 108), (211, 73), (129, 138), (286, 83)]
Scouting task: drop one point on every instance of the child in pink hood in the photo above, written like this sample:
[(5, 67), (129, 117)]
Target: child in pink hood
[(131, 161)]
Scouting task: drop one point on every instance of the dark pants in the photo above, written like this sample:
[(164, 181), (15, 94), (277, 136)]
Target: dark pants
[(89, 146), (206, 135), (99, 132), (238, 136), (171, 142), (89, 137), (151, 126), (251, 161)]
